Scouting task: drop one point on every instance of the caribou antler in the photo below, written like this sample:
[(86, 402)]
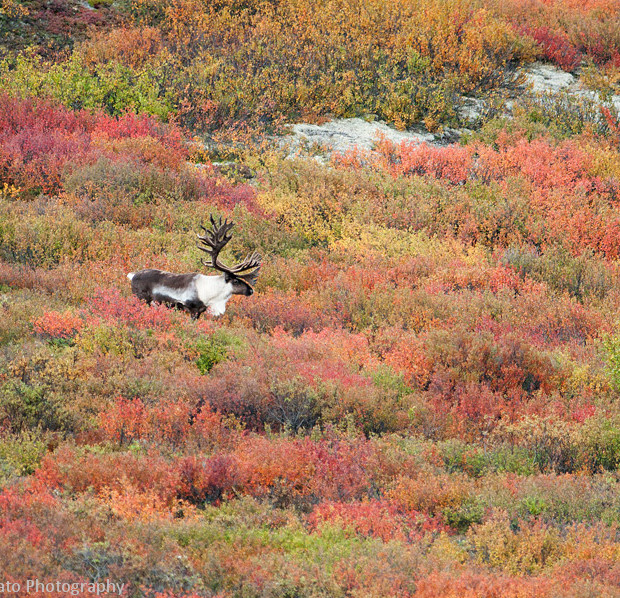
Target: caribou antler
[(215, 239)]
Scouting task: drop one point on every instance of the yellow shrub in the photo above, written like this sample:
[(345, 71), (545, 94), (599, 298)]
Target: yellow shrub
[(429, 493), (528, 550)]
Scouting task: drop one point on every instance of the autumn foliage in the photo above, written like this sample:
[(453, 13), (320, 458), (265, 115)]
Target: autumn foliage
[(420, 399)]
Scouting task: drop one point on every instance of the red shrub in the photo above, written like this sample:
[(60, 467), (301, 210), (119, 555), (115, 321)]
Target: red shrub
[(38, 140), (22, 529), (556, 47), (481, 585), (207, 426), (53, 324), (613, 123), (376, 518), (219, 191), (77, 473), (271, 309), (173, 422), (287, 470), (112, 307), (407, 355), (452, 163), (566, 204), (296, 382), (131, 126), (210, 480), (124, 421), (580, 414)]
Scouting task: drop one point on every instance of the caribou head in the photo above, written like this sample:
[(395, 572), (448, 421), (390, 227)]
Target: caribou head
[(196, 292)]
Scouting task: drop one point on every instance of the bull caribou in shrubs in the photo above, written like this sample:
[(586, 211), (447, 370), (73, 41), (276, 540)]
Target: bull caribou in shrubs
[(194, 292)]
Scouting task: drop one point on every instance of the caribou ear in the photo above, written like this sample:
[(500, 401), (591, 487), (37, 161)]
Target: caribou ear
[(250, 278)]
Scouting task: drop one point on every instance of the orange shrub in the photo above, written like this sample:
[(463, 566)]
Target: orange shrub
[(77, 473), (429, 494), (376, 518), (453, 163), (54, 324)]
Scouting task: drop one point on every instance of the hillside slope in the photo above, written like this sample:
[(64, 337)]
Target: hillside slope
[(420, 399)]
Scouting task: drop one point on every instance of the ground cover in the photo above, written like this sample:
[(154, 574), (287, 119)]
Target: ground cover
[(421, 398)]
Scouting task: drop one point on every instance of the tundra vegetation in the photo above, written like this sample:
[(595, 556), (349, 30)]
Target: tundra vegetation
[(422, 396)]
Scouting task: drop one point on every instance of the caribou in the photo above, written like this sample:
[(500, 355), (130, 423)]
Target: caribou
[(195, 292)]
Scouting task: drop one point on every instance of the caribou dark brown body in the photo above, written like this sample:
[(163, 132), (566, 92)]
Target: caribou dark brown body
[(174, 290)]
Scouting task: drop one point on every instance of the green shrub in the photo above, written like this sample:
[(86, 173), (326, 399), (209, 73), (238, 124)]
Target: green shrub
[(210, 351), (551, 442), (24, 406), (294, 405), (468, 513), (611, 345), (600, 442), (21, 453), (513, 459), (459, 456), (532, 505), (110, 86), (583, 276), (562, 114)]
